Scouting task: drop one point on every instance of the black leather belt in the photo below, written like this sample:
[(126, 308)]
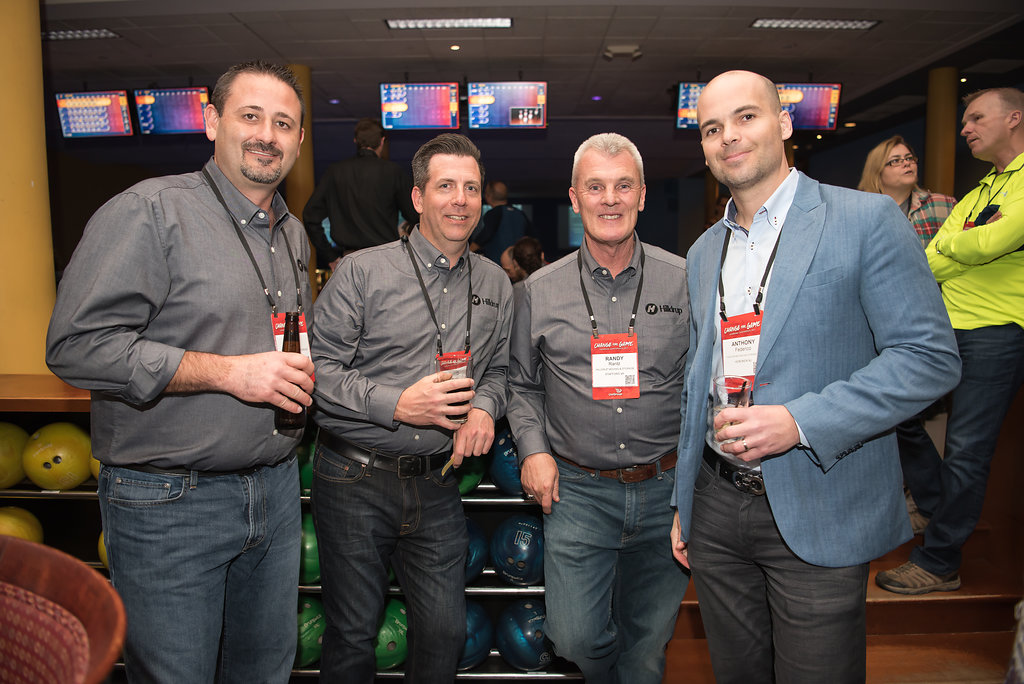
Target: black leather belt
[(406, 465), (637, 473), (744, 479)]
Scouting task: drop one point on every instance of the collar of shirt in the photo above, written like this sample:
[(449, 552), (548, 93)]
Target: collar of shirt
[(1012, 167), (597, 270), (242, 209), (430, 256), (773, 213)]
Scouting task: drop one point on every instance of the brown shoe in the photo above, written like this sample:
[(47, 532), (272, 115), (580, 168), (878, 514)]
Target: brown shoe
[(918, 521), (911, 578)]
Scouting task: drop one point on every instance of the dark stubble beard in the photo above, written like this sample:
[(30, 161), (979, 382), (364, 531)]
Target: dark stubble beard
[(263, 172)]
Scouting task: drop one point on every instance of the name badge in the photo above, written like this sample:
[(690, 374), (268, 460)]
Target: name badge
[(741, 336), (277, 321), (615, 366)]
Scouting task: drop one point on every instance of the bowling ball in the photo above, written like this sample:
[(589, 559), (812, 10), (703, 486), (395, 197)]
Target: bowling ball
[(470, 473), (17, 522), (391, 647), (12, 443), (505, 466), (517, 550), (57, 456), (519, 633), (479, 636), (94, 467), (311, 631), (102, 549), (309, 556), (476, 554)]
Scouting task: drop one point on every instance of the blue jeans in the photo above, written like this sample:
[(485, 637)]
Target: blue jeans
[(612, 587), (208, 569), (770, 616), (367, 519), (993, 371)]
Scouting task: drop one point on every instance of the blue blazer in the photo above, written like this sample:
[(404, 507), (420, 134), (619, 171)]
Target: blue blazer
[(855, 339)]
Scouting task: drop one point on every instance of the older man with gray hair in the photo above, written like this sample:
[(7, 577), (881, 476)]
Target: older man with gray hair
[(599, 340)]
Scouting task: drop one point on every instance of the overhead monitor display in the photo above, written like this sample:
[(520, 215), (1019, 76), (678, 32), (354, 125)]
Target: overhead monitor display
[(171, 110), (811, 106), (419, 105), (94, 114), (508, 104)]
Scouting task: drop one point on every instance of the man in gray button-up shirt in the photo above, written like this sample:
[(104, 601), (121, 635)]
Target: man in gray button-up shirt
[(161, 313), (596, 431), (388, 420)]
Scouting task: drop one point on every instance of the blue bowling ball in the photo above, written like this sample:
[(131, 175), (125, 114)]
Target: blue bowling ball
[(479, 636), (517, 550), (505, 464), (520, 635), (476, 554)]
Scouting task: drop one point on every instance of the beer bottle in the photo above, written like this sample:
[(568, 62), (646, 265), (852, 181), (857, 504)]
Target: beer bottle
[(286, 420)]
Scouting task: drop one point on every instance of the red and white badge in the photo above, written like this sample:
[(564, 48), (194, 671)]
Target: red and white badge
[(277, 321), (741, 336), (615, 366)]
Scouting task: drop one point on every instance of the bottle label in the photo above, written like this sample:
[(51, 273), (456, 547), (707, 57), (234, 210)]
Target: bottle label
[(277, 321)]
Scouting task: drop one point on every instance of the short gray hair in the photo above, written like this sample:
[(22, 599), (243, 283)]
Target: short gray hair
[(610, 145)]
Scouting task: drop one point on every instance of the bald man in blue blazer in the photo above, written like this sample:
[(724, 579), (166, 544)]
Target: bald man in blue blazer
[(779, 525)]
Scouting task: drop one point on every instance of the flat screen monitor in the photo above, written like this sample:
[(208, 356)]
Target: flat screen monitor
[(94, 114), (811, 106), (405, 106), (171, 110), (508, 104)]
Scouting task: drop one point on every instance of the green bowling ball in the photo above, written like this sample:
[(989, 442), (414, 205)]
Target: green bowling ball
[(309, 557), (391, 646), (470, 473), (311, 631)]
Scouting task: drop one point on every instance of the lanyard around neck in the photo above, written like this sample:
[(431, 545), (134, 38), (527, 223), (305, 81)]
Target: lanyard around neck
[(764, 278), (248, 250), (636, 300), (992, 192), (426, 296)]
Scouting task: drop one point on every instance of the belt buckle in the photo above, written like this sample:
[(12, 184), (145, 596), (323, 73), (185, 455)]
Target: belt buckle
[(410, 466), (632, 474), (748, 482)]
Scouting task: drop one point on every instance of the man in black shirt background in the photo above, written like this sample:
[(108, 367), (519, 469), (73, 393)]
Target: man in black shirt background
[(361, 196)]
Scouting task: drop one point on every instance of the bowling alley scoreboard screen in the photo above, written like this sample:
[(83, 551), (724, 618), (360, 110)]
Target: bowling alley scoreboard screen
[(412, 106), (508, 104), (94, 114), (811, 106), (106, 113), (171, 110)]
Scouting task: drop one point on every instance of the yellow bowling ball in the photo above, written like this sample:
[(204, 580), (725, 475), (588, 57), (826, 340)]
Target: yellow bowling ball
[(57, 456), (12, 443), (17, 522), (102, 548), (94, 467)]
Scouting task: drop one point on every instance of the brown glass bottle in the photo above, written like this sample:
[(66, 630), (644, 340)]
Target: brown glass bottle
[(286, 420)]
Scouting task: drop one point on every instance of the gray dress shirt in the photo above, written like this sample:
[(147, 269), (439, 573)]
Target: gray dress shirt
[(375, 338), (159, 271), (552, 407)]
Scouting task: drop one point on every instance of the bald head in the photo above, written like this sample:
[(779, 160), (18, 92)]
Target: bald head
[(748, 81)]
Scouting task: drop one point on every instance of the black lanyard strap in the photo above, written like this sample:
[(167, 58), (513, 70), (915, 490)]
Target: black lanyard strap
[(248, 250), (764, 277), (636, 300), (426, 295)]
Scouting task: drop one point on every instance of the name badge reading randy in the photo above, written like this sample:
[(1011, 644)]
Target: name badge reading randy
[(277, 321), (741, 336), (615, 366)]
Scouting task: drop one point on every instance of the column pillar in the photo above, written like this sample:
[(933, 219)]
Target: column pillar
[(940, 131), (26, 259)]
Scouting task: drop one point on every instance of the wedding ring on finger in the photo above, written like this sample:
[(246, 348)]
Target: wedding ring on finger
[(745, 447)]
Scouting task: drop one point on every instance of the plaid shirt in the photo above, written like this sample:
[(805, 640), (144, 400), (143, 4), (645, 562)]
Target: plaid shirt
[(928, 210)]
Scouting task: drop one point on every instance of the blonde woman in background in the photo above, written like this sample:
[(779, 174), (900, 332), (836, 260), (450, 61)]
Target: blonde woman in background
[(891, 169)]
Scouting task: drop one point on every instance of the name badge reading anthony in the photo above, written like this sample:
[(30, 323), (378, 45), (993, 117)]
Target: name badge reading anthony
[(615, 366), (740, 338), (277, 321)]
